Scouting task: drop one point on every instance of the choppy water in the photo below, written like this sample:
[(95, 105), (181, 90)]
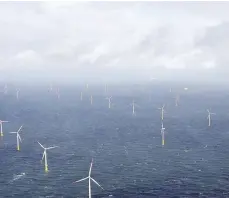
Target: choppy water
[(128, 158)]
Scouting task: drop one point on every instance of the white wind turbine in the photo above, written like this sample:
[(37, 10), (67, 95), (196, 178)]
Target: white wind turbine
[(58, 93), (105, 88), (109, 101), (89, 180), (18, 137), (1, 123), (17, 93), (45, 155), (162, 111), (91, 99), (162, 134), (50, 87), (5, 89), (177, 99), (209, 117), (133, 107), (81, 95)]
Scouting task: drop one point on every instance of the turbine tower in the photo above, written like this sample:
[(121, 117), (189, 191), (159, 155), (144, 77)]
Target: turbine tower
[(162, 134), (89, 180)]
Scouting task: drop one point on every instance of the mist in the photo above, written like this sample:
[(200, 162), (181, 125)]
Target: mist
[(115, 42)]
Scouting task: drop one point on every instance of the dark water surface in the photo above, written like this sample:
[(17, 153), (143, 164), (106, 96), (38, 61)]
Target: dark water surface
[(128, 158)]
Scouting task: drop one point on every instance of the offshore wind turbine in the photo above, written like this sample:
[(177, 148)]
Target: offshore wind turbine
[(105, 88), (89, 180), (50, 87), (58, 93), (209, 117), (5, 89), (133, 107), (162, 111), (109, 101), (162, 134), (91, 99), (45, 155), (1, 123), (177, 99), (17, 93), (18, 138)]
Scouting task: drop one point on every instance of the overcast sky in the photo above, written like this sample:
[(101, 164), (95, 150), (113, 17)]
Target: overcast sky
[(114, 40)]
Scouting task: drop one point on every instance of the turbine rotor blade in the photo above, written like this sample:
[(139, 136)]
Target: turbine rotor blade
[(12, 132), (19, 137), (43, 156), (81, 180), (96, 183), (41, 145), (20, 128), (52, 147)]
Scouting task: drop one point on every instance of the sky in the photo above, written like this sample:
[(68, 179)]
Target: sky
[(114, 41)]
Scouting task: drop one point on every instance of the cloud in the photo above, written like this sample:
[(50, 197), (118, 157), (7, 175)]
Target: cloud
[(146, 37)]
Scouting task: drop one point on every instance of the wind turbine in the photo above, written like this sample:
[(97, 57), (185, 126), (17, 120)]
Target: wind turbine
[(162, 134), (105, 88), (81, 95), (177, 99), (209, 117), (58, 93), (89, 180), (109, 101), (50, 87), (133, 107), (45, 155), (1, 122), (162, 111), (91, 99), (5, 89), (18, 137), (17, 93)]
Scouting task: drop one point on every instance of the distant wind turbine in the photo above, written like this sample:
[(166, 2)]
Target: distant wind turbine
[(50, 87), (17, 93), (209, 117), (109, 101), (81, 95), (133, 107), (162, 111), (45, 155), (91, 99), (177, 99), (1, 123), (89, 180), (58, 93), (162, 134), (18, 137), (105, 88), (5, 89)]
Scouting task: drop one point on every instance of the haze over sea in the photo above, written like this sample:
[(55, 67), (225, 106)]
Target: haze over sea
[(129, 160)]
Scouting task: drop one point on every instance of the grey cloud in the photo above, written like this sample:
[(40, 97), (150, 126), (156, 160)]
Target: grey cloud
[(100, 37)]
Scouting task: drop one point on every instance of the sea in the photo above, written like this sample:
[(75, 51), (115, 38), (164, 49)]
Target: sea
[(129, 160)]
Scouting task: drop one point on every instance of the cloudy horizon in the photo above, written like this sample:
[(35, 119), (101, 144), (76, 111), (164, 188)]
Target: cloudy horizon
[(112, 41)]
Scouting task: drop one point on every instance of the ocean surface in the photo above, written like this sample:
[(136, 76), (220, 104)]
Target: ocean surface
[(129, 161)]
